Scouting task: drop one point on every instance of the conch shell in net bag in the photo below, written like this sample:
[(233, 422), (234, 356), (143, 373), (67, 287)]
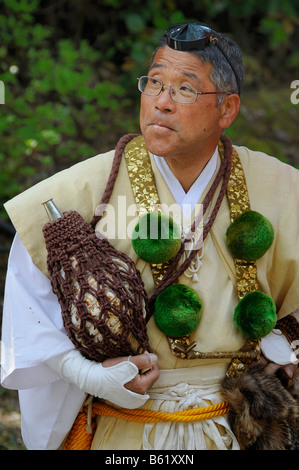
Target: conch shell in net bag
[(101, 293)]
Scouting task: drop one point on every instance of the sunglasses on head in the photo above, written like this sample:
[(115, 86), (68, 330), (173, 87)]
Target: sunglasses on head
[(194, 37)]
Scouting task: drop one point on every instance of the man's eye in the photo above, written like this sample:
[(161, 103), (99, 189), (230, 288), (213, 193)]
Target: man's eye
[(186, 88), (155, 82)]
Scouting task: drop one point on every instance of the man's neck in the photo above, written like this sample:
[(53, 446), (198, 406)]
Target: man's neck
[(187, 171)]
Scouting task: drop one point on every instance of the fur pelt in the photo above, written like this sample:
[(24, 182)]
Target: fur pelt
[(264, 410)]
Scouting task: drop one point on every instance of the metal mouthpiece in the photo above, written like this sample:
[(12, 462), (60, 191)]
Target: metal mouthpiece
[(51, 209)]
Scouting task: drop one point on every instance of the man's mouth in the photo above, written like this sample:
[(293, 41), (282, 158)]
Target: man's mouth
[(161, 126)]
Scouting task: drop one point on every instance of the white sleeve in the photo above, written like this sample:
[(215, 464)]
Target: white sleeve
[(32, 333), (32, 327), (103, 382)]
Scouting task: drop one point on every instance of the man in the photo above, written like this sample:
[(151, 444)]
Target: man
[(191, 94)]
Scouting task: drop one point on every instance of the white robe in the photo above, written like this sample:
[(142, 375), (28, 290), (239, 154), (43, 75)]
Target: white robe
[(33, 332)]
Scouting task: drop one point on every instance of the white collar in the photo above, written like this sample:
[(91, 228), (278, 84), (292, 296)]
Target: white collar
[(187, 201)]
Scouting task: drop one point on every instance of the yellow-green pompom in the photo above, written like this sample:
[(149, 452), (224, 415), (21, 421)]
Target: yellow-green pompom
[(177, 310), (255, 315), (156, 238), (250, 236)]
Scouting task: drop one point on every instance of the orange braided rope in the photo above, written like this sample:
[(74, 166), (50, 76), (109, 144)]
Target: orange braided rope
[(150, 416), (79, 439)]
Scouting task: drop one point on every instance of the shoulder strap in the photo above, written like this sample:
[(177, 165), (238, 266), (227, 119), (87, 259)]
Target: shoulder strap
[(238, 201), (113, 174)]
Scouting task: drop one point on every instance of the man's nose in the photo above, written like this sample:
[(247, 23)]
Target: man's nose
[(164, 99)]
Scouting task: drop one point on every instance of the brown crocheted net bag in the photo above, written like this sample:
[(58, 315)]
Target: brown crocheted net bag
[(100, 291)]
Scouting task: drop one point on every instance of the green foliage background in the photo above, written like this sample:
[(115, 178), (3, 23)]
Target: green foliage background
[(69, 68)]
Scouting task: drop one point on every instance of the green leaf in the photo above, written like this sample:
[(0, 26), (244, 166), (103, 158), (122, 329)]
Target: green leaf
[(22, 5), (134, 23), (50, 136)]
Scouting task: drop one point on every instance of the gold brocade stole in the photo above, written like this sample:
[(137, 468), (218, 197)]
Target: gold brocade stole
[(238, 201), (144, 188), (146, 197)]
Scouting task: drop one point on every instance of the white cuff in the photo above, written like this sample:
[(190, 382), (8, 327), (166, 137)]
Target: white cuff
[(94, 379), (276, 348)]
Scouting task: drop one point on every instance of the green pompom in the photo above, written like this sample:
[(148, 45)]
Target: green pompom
[(250, 236), (255, 315), (177, 310), (156, 238)]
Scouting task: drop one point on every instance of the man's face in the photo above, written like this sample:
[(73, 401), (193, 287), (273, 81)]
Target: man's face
[(172, 129)]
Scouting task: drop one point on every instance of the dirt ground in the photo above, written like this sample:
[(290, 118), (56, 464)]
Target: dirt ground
[(10, 421)]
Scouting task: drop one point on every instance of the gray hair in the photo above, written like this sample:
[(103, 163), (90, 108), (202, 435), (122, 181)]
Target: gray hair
[(222, 74)]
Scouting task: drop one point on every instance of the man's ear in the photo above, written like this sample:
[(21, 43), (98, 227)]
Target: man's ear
[(229, 109)]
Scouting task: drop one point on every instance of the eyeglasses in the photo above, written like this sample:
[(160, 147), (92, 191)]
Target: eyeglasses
[(181, 93)]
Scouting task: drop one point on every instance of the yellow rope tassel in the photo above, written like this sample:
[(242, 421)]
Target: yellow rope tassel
[(79, 439)]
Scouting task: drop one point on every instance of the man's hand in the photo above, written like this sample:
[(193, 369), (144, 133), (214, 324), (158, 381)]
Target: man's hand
[(291, 370), (144, 380), (288, 373)]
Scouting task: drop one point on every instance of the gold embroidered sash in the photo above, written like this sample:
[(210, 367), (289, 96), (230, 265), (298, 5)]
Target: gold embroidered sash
[(146, 197), (144, 188), (238, 200)]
